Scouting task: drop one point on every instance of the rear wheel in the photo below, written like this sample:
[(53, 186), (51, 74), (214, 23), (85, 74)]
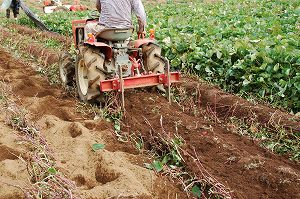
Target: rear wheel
[(66, 69), (151, 62), (88, 75)]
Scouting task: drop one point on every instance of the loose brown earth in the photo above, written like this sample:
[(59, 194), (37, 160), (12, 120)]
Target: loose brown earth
[(236, 161), (116, 172), (225, 105)]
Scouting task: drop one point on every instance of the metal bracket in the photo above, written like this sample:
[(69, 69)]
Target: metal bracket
[(167, 72)]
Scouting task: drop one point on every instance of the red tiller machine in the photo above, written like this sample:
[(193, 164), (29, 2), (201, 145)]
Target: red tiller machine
[(111, 61)]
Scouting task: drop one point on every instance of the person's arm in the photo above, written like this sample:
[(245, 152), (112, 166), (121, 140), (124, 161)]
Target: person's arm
[(139, 11), (98, 5)]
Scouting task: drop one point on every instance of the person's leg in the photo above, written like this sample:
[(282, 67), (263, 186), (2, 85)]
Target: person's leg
[(92, 27), (16, 9), (16, 12), (8, 13)]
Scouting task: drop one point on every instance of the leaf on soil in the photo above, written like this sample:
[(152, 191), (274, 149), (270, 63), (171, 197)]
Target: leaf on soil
[(117, 128), (98, 146), (196, 191), (148, 166), (157, 165), (52, 170), (165, 160)]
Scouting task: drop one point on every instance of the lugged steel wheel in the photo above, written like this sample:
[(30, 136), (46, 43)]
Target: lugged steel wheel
[(66, 69), (88, 75), (151, 62)]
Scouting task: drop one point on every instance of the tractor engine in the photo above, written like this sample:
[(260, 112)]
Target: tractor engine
[(120, 60)]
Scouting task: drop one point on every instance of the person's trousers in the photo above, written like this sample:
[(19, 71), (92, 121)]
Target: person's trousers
[(92, 27), (15, 7)]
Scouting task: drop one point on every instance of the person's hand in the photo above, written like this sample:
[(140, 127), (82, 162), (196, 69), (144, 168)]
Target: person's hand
[(141, 34), (141, 30), (98, 6)]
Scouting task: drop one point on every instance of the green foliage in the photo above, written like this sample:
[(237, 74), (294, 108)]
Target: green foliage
[(283, 143), (196, 191), (117, 127), (157, 165), (170, 156), (52, 43), (245, 46), (52, 170)]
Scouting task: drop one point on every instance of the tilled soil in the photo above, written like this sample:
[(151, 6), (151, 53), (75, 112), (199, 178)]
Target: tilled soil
[(115, 172), (225, 105), (236, 161)]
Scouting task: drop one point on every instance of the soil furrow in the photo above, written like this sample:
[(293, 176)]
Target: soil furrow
[(116, 171), (236, 161)]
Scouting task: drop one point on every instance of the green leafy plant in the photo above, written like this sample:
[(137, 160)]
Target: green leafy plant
[(245, 46), (52, 170), (196, 191), (170, 155), (97, 146)]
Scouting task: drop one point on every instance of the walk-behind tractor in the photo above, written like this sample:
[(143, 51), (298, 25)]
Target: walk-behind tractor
[(111, 61)]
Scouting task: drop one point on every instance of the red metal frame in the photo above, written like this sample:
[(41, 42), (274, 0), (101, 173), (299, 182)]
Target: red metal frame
[(76, 24), (106, 49), (139, 42), (138, 81)]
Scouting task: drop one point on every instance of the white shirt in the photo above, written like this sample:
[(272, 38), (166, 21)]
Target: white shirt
[(118, 13)]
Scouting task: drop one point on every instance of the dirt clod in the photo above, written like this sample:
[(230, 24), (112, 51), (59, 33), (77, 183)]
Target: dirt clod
[(74, 130)]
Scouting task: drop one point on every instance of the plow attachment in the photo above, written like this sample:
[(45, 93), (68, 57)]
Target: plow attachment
[(139, 81), (120, 84)]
